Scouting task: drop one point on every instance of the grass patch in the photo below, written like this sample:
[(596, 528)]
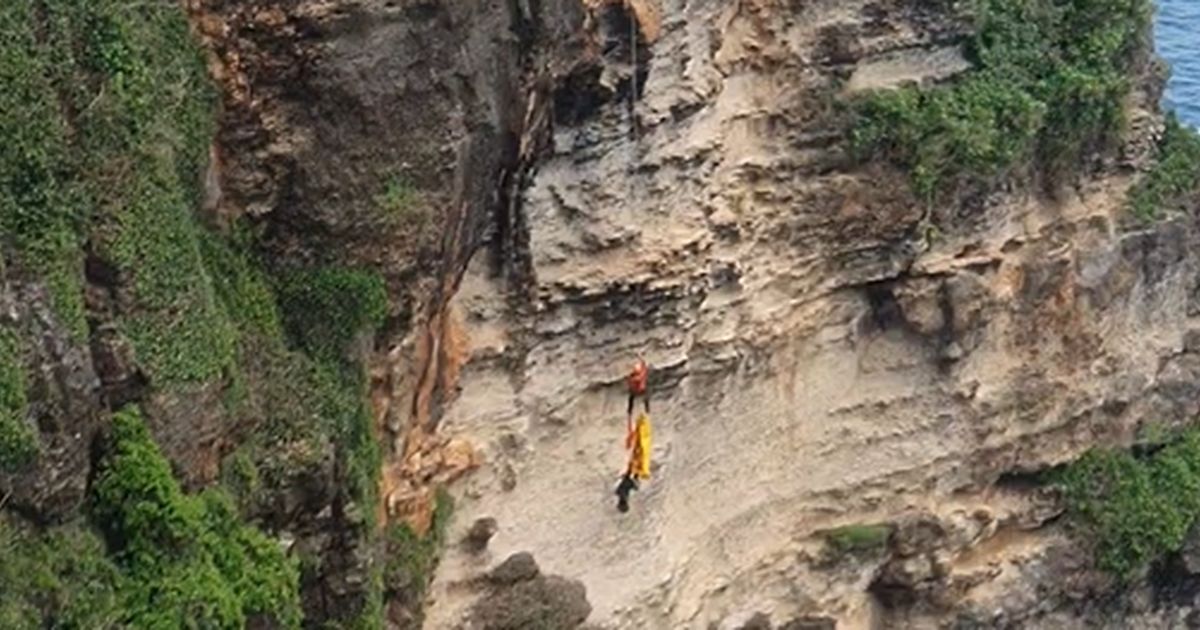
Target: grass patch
[(1175, 179), (1134, 510), (398, 199), (18, 445), (1047, 88), (858, 539), (187, 559)]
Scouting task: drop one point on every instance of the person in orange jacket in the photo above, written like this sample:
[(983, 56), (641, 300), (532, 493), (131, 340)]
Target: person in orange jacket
[(638, 381)]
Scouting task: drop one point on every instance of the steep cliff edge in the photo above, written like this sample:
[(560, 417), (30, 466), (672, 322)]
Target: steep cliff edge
[(897, 267), (832, 352)]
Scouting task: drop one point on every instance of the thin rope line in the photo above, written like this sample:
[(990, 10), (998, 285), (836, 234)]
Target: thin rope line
[(633, 80)]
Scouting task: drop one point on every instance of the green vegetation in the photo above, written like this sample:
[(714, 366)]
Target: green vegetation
[(40, 206), (343, 400), (1134, 510), (145, 135), (324, 311), (188, 562), (18, 445), (308, 404), (1047, 89), (399, 199), (303, 399), (61, 575), (242, 286), (858, 539), (412, 558), (326, 308), (107, 118), (1175, 179)]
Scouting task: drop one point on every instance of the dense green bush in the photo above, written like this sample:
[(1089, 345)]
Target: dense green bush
[(1135, 510), (60, 578), (18, 445), (1175, 179), (187, 560), (1047, 89)]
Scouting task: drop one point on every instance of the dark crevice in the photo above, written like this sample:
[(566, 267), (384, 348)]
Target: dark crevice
[(885, 310), (619, 77)]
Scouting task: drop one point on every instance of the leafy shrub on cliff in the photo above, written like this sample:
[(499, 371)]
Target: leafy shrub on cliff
[(60, 578), (1135, 510), (187, 559), (325, 308), (18, 445), (982, 127), (1047, 87), (1175, 179)]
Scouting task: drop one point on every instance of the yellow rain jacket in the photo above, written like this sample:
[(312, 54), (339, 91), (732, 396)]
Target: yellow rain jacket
[(638, 441)]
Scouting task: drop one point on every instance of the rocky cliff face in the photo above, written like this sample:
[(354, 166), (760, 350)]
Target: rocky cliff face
[(816, 364), (675, 179), (857, 386)]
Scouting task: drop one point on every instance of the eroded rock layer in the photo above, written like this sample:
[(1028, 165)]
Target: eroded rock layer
[(820, 359)]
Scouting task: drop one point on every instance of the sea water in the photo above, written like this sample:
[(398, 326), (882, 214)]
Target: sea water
[(1177, 30)]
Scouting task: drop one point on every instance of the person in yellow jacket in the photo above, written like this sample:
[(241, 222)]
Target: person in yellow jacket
[(637, 442)]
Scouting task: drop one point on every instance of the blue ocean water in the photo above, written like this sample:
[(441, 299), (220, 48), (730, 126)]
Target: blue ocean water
[(1178, 34)]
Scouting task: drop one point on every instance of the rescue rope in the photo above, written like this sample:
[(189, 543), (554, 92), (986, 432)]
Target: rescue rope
[(633, 79)]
